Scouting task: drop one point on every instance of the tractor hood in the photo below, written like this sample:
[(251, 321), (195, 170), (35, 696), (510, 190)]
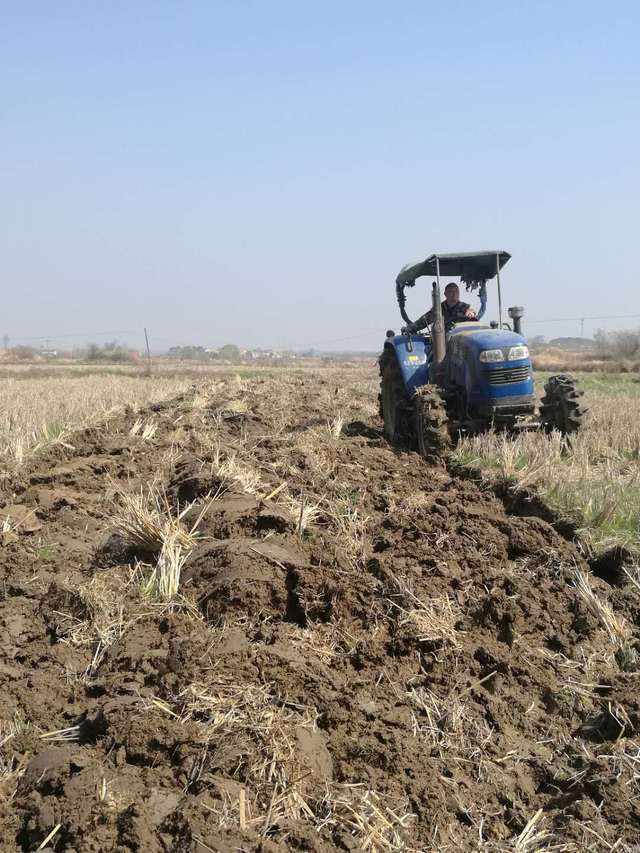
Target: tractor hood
[(498, 382), (474, 337)]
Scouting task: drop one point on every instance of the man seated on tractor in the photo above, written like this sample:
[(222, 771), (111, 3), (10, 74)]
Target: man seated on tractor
[(453, 311)]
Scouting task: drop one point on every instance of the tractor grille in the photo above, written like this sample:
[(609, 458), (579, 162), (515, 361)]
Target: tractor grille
[(507, 375)]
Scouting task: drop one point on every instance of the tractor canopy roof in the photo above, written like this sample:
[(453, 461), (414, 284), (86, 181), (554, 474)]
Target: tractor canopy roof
[(473, 267)]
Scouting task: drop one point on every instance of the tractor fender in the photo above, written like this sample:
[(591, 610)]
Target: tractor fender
[(413, 354)]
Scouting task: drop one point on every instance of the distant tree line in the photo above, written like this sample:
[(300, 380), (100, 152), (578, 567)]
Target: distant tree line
[(622, 344), (22, 353), (229, 352), (110, 351)]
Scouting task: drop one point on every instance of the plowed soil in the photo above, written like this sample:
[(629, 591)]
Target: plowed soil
[(404, 664)]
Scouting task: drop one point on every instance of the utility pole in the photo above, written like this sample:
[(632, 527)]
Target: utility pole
[(582, 327), (5, 341), (146, 337)]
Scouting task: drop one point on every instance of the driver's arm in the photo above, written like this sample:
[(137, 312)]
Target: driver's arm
[(423, 321), (465, 311)]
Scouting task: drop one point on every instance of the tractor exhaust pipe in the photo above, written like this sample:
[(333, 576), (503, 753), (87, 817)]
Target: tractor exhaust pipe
[(437, 328), (516, 312)]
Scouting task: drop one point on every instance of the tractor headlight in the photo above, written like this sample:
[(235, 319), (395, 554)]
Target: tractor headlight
[(518, 352), (490, 355)]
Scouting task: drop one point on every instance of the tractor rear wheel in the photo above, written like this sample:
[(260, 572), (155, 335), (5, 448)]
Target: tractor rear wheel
[(394, 403), (561, 407), (431, 423)]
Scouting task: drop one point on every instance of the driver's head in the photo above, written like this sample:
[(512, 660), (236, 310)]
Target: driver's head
[(452, 293)]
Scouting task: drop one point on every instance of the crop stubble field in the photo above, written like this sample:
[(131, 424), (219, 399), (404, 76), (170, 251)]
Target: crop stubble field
[(238, 620)]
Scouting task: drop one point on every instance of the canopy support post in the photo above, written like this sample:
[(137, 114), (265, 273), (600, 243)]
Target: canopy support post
[(499, 291), (437, 327)]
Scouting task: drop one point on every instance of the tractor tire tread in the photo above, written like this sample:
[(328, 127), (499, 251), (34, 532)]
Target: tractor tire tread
[(432, 423), (561, 406), (396, 423)]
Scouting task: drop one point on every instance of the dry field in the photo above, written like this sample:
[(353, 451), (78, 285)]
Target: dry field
[(38, 408), (594, 482), (43, 405), (238, 620), (556, 360)]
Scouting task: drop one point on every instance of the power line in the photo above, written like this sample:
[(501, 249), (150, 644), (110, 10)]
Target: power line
[(363, 333), (51, 337), (366, 332), (76, 335), (577, 319)]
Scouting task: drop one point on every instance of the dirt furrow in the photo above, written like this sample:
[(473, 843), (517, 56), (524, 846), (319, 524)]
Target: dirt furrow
[(365, 650)]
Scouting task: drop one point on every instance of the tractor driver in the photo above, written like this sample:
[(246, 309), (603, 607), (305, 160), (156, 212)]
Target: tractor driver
[(453, 311)]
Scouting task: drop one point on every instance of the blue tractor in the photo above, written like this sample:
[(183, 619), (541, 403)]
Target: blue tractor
[(465, 377)]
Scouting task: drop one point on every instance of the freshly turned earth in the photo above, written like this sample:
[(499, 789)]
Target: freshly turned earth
[(322, 629)]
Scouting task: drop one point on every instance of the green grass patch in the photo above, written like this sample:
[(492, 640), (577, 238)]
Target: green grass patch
[(611, 384), (47, 553), (607, 511)]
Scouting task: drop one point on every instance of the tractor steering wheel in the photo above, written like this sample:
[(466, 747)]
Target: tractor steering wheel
[(451, 323)]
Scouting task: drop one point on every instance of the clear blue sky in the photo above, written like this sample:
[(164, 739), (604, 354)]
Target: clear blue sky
[(258, 172)]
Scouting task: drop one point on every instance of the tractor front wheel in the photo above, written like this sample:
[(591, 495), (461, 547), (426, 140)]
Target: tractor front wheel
[(561, 407), (394, 403), (431, 423)]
